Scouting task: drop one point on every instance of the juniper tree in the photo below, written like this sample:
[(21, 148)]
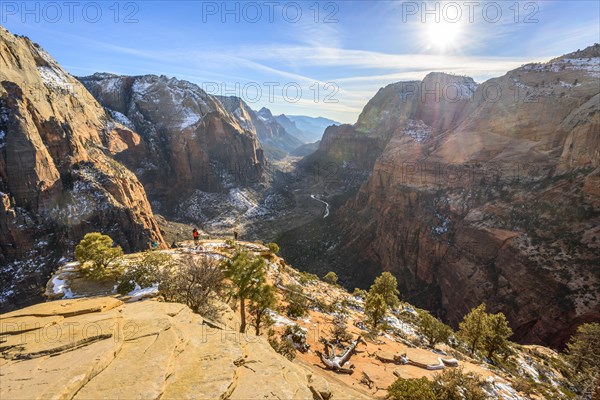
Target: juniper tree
[(434, 330), (262, 300), (496, 340), (247, 275), (387, 286), (98, 250), (375, 308), (474, 328)]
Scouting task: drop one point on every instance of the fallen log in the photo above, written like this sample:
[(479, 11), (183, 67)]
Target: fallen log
[(338, 363)]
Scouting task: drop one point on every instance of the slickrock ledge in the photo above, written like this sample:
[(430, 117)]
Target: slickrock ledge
[(100, 348)]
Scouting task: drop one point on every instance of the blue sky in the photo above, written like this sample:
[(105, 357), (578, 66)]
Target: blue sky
[(323, 58)]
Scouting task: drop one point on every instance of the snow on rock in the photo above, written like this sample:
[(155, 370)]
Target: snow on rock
[(61, 287), (122, 119), (418, 130), (55, 79), (142, 293)]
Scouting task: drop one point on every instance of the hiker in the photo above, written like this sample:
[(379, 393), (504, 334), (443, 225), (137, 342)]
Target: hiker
[(196, 235)]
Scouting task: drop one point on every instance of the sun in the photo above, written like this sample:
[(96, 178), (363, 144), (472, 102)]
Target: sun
[(443, 35)]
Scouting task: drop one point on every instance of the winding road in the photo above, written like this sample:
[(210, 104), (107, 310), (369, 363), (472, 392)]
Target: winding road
[(314, 197)]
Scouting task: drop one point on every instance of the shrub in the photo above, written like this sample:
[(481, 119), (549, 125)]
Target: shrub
[(454, 384), (145, 272), (412, 389), (297, 302), (193, 282), (339, 332), (285, 346), (331, 277), (273, 248), (98, 257)]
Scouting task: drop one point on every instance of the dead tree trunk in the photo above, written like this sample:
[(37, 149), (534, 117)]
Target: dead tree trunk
[(335, 362)]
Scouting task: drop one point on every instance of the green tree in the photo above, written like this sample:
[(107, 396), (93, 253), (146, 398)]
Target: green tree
[(412, 389), (375, 308), (97, 251), (496, 341), (261, 301), (582, 354), (247, 275), (474, 328), (434, 331), (297, 301), (387, 286), (331, 277)]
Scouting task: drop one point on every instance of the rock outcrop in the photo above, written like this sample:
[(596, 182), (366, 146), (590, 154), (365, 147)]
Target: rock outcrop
[(274, 138), (189, 141), (491, 198), (58, 175), (102, 348)]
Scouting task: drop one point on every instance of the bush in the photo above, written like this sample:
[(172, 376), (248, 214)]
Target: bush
[(339, 332), (98, 257), (454, 384), (297, 302), (361, 293), (146, 272), (412, 389), (193, 282), (273, 248), (331, 278), (285, 346), (307, 277)]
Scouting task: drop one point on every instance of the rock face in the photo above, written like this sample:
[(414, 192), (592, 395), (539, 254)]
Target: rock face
[(274, 138), (189, 141), (59, 179), (101, 348), (490, 198)]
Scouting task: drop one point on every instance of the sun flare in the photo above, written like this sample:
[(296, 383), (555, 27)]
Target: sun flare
[(443, 35)]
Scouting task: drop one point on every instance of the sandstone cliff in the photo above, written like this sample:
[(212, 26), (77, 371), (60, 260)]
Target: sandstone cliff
[(189, 141), (491, 198), (58, 176)]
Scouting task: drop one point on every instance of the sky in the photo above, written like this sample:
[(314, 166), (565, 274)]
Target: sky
[(316, 58)]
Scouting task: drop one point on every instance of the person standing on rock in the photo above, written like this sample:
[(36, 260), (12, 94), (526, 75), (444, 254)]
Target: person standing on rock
[(196, 235)]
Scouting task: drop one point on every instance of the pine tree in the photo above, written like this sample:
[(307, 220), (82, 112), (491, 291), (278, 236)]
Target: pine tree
[(247, 275), (98, 250), (375, 308), (584, 347), (496, 340), (474, 328), (261, 301), (433, 330), (387, 286)]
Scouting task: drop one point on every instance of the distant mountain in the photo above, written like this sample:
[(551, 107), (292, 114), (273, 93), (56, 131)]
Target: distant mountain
[(274, 139), (307, 129)]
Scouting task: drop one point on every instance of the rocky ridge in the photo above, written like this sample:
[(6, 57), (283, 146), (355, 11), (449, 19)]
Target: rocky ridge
[(495, 196), (58, 173)]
